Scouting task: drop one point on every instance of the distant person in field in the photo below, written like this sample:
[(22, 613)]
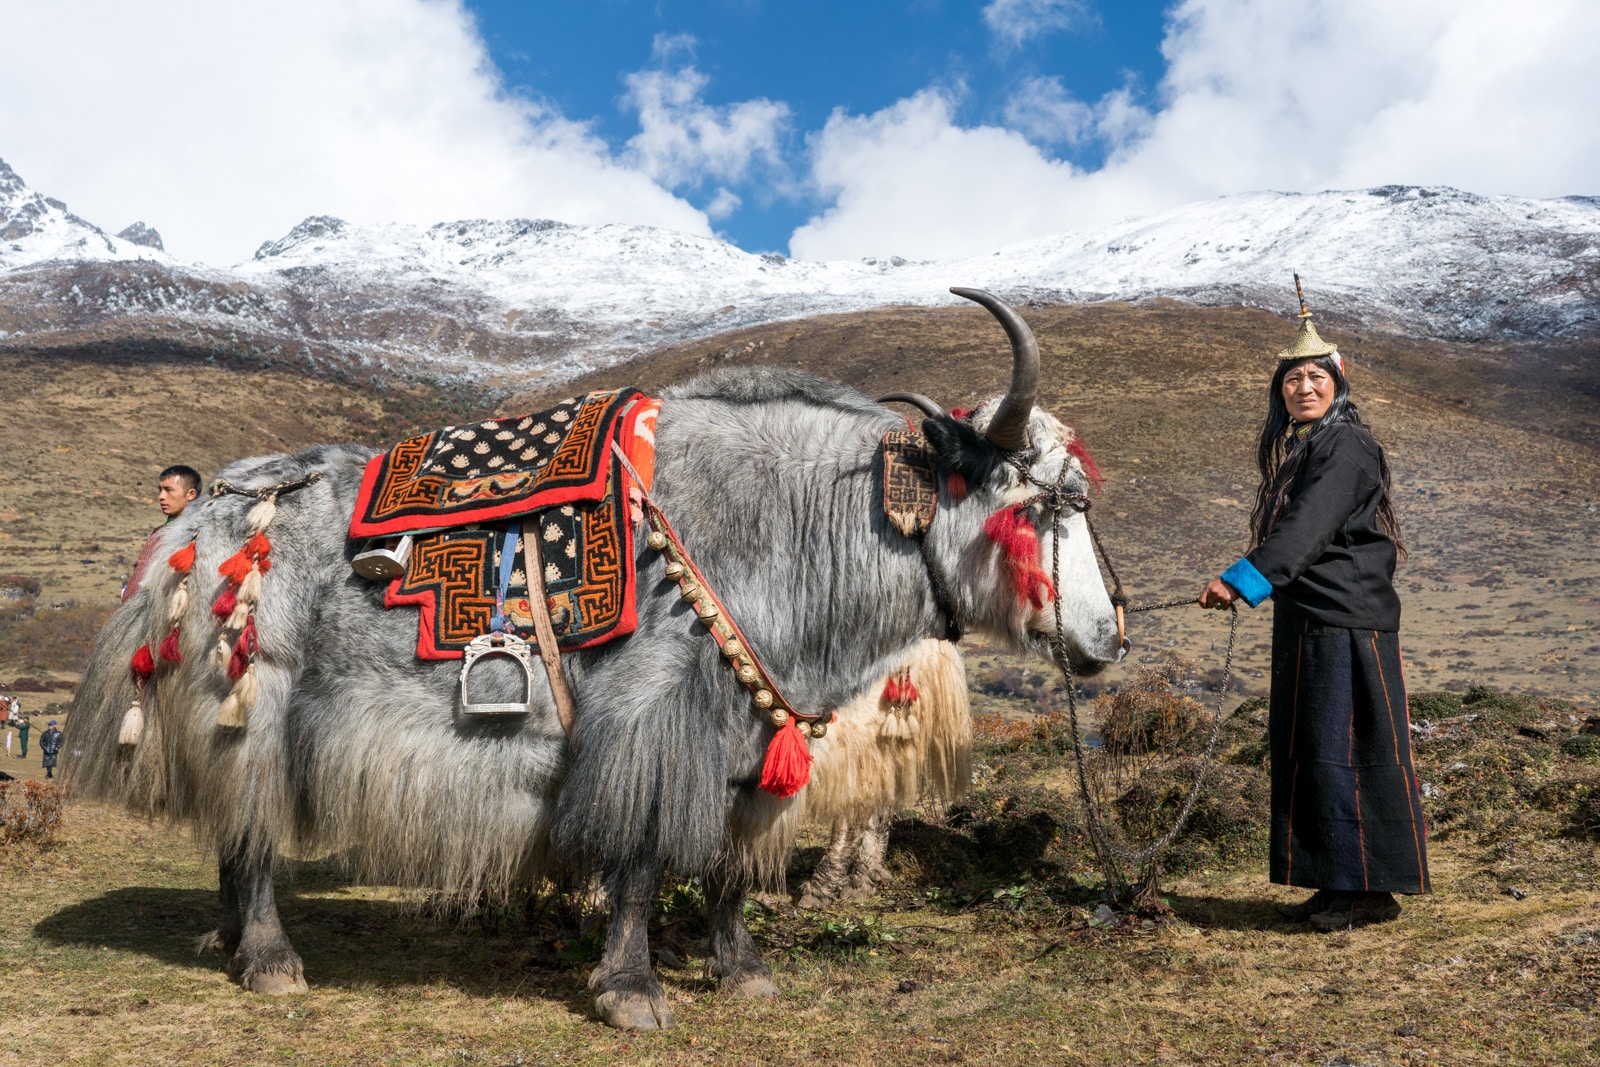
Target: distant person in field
[(22, 735), (1346, 805), (176, 488), (49, 746)]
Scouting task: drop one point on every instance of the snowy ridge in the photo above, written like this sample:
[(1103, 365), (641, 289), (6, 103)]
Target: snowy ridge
[(481, 297), (35, 229)]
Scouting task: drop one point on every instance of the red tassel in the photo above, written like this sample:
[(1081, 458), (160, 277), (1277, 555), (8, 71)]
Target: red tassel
[(143, 663), (235, 567), (169, 647), (910, 691), (959, 414), (787, 767), (182, 560), (1012, 531), (258, 548), (891, 689), (1081, 450), (243, 649), (226, 602), (956, 484)]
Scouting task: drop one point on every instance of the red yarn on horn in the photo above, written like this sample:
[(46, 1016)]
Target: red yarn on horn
[(169, 647), (787, 767), (143, 663), (183, 559), (1012, 532)]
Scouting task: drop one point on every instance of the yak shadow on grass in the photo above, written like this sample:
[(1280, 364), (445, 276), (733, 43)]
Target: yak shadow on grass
[(345, 942)]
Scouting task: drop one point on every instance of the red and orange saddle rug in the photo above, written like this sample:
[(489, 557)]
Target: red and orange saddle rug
[(459, 489)]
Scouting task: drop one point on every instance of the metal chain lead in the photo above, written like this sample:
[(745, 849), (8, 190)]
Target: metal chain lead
[(1056, 500)]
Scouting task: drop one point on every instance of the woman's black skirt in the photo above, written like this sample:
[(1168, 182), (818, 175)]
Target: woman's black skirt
[(1346, 807)]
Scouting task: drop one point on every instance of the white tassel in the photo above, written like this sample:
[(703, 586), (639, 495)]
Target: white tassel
[(261, 515), (891, 726), (179, 603), (234, 711), (236, 621), (250, 588), (132, 724), (223, 652)]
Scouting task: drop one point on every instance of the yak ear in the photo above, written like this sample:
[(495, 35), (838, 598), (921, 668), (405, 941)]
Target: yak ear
[(958, 447)]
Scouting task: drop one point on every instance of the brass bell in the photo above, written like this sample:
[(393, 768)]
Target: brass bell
[(747, 673), (657, 540), (764, 699), (707, 612), (690, 592), (674, 570), (777, 716), (803, 726), (819, 729), (732, 649)]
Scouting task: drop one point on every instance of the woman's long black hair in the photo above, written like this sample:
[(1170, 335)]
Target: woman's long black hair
[(1280, 453)]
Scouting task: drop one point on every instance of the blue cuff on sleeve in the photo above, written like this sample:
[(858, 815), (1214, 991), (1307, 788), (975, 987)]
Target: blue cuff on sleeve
[(1244, 577)]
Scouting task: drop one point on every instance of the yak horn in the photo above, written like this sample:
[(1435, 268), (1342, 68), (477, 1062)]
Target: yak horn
[(1009, 427), (931, 408)]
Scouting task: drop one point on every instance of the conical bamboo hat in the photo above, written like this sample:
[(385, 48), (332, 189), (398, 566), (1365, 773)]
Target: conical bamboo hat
[(1307, 344)]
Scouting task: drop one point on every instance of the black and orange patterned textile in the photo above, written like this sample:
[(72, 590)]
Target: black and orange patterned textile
[(910, 481), (491, 470), (587, 548)]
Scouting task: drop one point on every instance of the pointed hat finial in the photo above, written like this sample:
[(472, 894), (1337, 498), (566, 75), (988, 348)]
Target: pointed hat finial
[(1307, 344)]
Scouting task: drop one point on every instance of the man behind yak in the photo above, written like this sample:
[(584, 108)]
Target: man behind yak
[(175, 488)]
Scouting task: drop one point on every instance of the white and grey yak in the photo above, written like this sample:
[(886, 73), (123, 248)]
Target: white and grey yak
[(354, 746)]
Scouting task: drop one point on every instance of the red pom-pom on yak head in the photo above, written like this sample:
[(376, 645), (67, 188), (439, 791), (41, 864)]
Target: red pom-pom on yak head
[(1012, 531)]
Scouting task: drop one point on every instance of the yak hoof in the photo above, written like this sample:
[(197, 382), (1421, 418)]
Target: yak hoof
[(275, 983), (627, 1010), (749, 984)]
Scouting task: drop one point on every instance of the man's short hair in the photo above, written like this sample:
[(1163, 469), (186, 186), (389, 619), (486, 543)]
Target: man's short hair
[(190, 476)]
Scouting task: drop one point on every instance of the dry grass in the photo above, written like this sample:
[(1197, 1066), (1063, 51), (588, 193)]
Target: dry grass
[(96, 932)]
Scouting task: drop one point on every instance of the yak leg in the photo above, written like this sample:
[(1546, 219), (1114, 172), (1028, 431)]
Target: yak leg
[(867, 867), (734, 961), (263, 959), (828, 882), (230, 923), (627, 993)]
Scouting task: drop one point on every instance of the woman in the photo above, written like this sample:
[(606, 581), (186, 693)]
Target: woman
[(1346, 810)]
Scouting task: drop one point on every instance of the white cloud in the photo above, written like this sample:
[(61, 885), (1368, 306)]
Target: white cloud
[(682, 140), (1014, 21), (223, 124), (1257, 95)]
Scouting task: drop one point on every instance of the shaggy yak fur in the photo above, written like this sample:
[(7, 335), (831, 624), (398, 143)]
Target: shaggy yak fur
[(356, 747), (878, 759)]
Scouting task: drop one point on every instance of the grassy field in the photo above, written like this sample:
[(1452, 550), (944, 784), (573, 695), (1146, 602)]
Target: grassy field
[(986, 947)]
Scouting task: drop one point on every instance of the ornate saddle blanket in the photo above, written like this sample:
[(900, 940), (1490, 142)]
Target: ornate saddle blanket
[(469, 494)]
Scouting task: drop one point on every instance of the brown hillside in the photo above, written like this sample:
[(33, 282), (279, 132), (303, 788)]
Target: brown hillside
[(1494, 453)]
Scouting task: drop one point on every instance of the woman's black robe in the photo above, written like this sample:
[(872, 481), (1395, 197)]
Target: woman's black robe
[(1346, 806)]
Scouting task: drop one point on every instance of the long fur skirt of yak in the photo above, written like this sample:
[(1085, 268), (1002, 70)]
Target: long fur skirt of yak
[(1346, 807)]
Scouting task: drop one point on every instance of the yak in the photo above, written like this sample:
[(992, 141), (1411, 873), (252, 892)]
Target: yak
[(356, 747)]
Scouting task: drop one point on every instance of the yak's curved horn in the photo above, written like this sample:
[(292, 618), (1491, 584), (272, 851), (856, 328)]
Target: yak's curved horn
[(931, 408), (1009, 427)]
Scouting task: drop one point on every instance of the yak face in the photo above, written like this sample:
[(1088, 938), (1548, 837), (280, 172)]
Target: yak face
[(1010, 575)]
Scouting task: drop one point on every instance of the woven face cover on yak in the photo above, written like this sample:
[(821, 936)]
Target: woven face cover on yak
[(467, 484)]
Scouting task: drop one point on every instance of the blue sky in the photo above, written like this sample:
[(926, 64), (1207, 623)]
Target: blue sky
[(816, 57), (920, 128)]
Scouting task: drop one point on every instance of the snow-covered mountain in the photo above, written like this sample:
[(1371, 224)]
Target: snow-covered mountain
[(525, 297)]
